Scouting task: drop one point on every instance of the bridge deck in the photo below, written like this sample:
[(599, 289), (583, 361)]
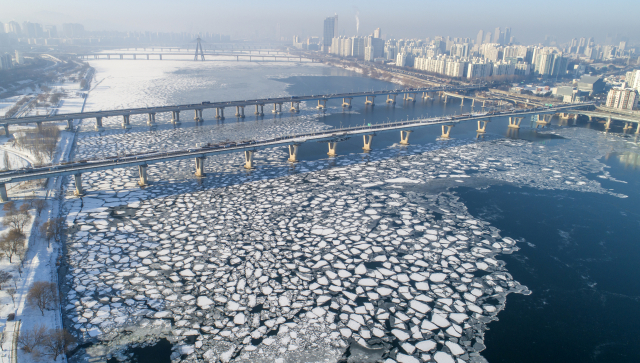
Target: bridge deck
[(158, 157), (208, 105)]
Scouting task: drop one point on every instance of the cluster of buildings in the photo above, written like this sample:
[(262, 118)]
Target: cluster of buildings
[(625, 97), (27, 33), (491, 54), (34, 33), (8, 62), (587, 48)]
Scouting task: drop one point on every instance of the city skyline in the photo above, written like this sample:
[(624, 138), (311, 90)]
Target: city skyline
[(531, 25)]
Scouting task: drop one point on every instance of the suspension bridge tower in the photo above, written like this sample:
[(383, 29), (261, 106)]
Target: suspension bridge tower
[(199, 50)]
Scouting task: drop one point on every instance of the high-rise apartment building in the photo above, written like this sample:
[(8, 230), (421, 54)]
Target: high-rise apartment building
[(480, 37), (357, 47), (377, 33), (73, 30), (497, 36), (507, 36), (330, 32), (5, 61), (633, 79), (487, 38), (19, 58), (622, 98)]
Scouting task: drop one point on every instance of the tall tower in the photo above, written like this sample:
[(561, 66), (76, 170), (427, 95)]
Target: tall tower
[(199, 48), (330, 32), (480, 37), (377, 33)]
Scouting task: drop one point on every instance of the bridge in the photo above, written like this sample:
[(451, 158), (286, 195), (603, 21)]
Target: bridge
[(259, 104), (628, 119), (473, 99), (250, 147), (218, 56)]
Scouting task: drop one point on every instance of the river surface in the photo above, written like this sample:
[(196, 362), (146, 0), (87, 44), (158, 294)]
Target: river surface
[(575, 232)]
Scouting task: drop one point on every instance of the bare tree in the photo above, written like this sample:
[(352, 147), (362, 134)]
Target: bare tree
[(52, 229), (10, 206), (31, 339), (12, 292), (17, 218), (12, 243), (40, 205), (4, 277), (58, 342), (43, 295)]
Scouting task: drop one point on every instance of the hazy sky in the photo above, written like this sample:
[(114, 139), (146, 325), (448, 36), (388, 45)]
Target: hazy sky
[(530, 21)]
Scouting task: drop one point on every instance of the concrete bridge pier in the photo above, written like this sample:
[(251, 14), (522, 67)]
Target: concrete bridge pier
[(607, 125), (445, 99), (627, 127), (412, 97), (368, 139), (546, 120), (638, 129), (259, 110), (69, 125), (175, 117), (483, 104), (391, 99), (322, 104), (144, 180), (152, 119), (446, 131), (134, 56), (99, 127), (404, 137), (473, 102), (220, 113), (6, 129), (370, 101), (160, 56), (482, 126), (240, 111), (248, 159), (425, 96), (39, 125), (78, 182), (346, 102), (3, 193), (125, 122), (277, 108), (590, 119), (332, 148), (293, 153), (295, 107), (200, 166), (197, 117), (121, 56), (514, 122)]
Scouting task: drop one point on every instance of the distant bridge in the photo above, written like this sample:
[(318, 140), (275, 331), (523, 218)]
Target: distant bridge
[(249, 147), (608, 117), (218, 56)]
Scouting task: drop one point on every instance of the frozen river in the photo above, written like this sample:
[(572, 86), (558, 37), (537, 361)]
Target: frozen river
[(360, 258)]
